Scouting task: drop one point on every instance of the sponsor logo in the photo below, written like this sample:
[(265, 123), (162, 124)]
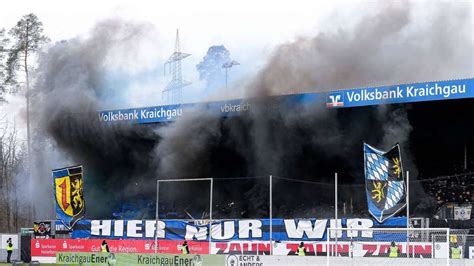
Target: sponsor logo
[(84, 258), (232, 260), (156, 114), (111, 260), (243, 260), (335, 100), (231, 108), (197, 260), (81, 258)]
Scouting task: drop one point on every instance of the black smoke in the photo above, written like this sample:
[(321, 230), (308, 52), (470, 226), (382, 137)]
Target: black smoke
[(397, 44)]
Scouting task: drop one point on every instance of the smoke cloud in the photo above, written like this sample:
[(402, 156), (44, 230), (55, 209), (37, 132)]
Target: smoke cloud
[(399, 43), (70, 88)]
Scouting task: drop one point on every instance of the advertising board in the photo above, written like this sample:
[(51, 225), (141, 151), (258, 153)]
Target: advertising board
[(96, 259), (393, 94), (43, 250)]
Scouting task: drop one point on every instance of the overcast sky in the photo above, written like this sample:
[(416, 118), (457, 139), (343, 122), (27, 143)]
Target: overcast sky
[(249, 29), (238, 24), (201, 22)]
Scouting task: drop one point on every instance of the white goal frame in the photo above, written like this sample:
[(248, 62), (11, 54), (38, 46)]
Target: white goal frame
[(407, 231), (157, 218)]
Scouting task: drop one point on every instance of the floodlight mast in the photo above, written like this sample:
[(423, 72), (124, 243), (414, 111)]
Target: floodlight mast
[(227, 67)]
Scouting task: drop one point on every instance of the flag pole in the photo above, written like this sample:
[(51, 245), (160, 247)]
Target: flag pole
[(157, 214), (271, 213), (408, 213), (211, 194), (335, 208)]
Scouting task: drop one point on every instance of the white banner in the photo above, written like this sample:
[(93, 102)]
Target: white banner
[(462, 212)]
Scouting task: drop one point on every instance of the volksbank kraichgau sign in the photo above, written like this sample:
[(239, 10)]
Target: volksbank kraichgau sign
[(431, 91), (418, 92)]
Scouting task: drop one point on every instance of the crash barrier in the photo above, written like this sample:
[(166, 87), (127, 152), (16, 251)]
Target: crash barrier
[(3, 247)]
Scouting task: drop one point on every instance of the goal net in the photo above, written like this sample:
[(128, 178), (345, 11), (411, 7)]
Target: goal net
[(389, 245)]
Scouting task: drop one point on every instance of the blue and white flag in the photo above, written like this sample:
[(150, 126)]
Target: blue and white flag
[(384, 182)]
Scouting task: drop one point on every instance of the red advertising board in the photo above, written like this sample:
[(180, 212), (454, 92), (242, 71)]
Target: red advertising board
[(49, 247)]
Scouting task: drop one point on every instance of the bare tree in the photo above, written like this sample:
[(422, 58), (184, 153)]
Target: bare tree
[(11, 164), (3, 51)]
